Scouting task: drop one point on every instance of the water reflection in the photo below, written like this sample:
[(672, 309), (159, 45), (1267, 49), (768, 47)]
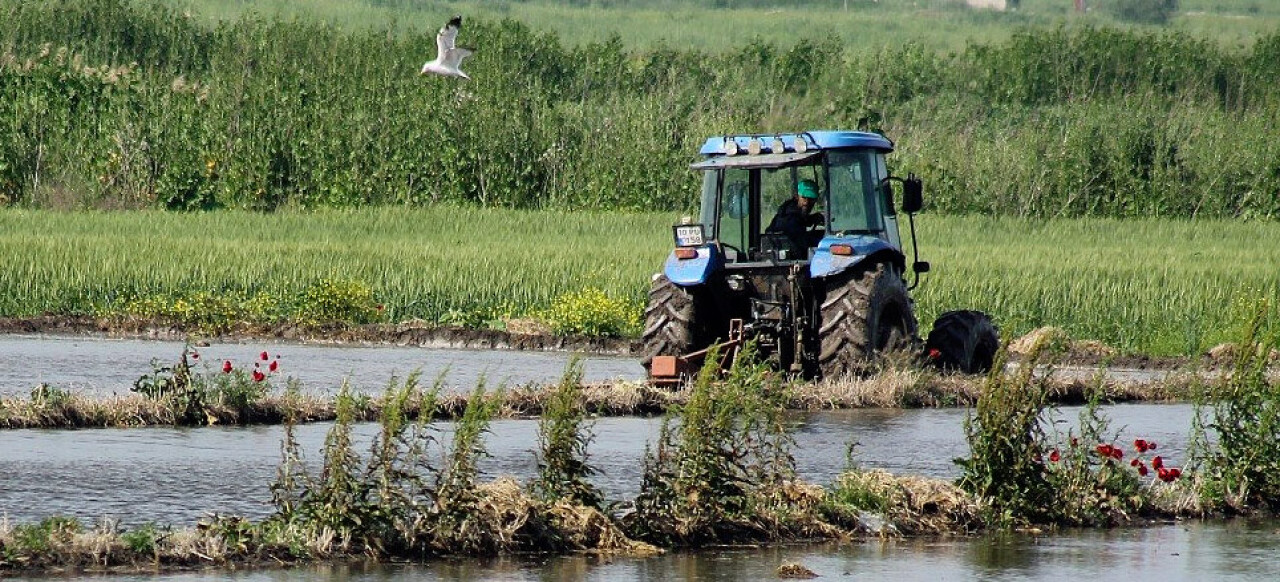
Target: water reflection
[(1173, 552)]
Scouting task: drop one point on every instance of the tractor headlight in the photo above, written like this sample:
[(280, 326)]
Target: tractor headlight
[(754, 145), (778, 146), (730, 147), (801, 146)]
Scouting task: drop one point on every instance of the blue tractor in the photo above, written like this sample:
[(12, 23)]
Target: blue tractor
[(797, 248)]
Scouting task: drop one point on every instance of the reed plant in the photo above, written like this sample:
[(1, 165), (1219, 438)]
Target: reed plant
[(563, 436), (1005, 432), (115, 104), (723, 461), (1238, 422)]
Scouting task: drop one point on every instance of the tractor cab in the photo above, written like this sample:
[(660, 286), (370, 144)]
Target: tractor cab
[(747, 181), (742, 194)]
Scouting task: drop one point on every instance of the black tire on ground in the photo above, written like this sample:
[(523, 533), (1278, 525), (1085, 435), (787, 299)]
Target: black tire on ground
[(671, 325), (864, 313), (964, 340)]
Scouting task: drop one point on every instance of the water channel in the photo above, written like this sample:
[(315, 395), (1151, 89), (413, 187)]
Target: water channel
[(105, 366), (178, 476)]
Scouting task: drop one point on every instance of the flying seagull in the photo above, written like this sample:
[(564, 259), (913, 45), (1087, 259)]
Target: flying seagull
[(448, 57)]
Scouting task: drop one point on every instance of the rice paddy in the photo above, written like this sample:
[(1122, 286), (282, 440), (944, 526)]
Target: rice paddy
[(1142, 286)]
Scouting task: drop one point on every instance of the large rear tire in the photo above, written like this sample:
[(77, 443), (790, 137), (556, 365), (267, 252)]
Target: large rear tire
[(671, 325), (964, 341), (864, 313)]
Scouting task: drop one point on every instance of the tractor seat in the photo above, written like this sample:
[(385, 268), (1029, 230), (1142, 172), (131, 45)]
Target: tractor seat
[(779, 246)]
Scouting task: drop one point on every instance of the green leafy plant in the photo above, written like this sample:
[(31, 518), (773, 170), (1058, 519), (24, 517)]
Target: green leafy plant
[(1241, 470), (563, 437), (1006, 442), (591, 312), (43, 536), (719, 459), (141, 540), (334, 300), (44, 395), (1143, 11)]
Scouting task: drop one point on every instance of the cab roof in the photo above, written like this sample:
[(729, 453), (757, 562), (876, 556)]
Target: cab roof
[(814, 140)]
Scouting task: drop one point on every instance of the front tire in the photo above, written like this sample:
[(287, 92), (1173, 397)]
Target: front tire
[(671, 325), (964, 341), (864, 313)]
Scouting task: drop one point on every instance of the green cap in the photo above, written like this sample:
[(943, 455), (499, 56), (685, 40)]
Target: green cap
[(807, 188)]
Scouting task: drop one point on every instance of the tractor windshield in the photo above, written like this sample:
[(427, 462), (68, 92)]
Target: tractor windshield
[(740, 203), (857, 201)]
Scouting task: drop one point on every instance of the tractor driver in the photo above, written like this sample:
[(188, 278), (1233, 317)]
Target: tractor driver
[(795, 216)]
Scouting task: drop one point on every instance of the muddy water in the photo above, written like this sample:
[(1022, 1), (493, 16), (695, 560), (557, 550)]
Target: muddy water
[(177, 475), (98, 365)]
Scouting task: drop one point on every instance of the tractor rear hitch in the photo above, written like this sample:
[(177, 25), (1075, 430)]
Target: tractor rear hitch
[(671, 371)]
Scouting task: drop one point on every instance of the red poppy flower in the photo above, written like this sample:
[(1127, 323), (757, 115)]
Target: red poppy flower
[(195, 355), (1104, 450), (1142, 470), (1141, 445), (1054, 456), (1174, 473), (934, 353), (1163, 474), (274, 365), (264, 356), (1157, 462), (1151, 445), (1117, 453), (226, 367), (1135, 463), (258, 376)]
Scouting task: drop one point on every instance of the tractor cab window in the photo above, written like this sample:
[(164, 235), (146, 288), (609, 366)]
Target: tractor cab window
[(778, 185), (734, 227), (856, 202), (739, 204)]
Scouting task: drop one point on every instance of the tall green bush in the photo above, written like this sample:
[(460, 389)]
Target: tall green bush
[(113, 104)]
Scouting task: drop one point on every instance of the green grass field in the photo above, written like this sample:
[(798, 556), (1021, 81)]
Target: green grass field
[(1145, 286), (938, 24)]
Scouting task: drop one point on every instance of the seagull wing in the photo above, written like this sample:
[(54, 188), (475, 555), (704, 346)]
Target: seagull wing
[(447, 35), (453, 57)]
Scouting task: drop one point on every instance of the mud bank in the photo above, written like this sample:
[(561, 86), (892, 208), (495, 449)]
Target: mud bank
[(889, 389)]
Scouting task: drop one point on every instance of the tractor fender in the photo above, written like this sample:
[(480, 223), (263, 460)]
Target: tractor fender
[(826, 264), (695, 271)]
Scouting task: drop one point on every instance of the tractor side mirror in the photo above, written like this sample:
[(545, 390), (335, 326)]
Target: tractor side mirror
[(912, 194), (920, 266)]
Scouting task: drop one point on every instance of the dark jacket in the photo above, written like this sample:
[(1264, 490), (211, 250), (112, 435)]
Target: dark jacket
[(794, 223)]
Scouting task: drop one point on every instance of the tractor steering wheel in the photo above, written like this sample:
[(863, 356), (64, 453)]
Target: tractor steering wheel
[(737, 250)]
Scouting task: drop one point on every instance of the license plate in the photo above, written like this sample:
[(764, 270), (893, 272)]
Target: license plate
[(689, 236)]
